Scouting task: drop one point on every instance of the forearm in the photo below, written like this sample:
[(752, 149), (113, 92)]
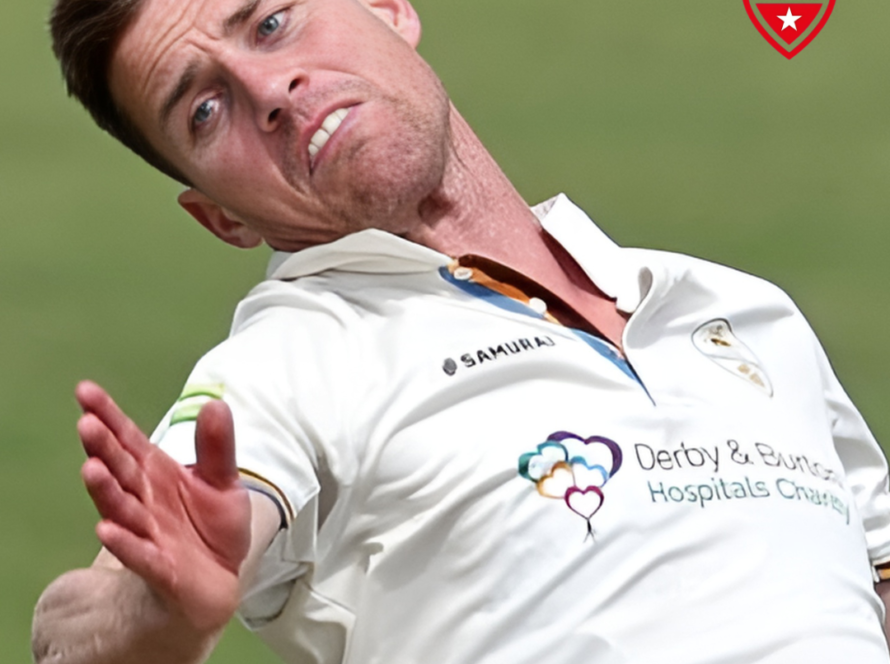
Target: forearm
[(110, 616), (179, 543)]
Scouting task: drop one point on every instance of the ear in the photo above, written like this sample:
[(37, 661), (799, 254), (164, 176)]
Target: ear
[(398, 15), (219, 222)]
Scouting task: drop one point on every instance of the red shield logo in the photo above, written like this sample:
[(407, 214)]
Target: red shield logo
[(789, 26)]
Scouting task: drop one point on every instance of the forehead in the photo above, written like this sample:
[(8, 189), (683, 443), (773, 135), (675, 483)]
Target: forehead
[(159, 41), (158, 26)]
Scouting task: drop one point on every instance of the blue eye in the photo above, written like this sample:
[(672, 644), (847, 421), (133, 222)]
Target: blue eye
[(270, 24), (204, 112)]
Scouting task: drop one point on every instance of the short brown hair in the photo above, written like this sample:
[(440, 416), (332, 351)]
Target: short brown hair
[(85, 33)]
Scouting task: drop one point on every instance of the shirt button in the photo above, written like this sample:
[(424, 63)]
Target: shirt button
[(538, 305), (463, 274)]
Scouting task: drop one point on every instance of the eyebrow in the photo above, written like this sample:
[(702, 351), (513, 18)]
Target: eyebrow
[(182, 86), (187, 79), (240, 17)]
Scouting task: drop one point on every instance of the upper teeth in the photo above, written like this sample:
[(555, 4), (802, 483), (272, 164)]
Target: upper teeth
[(327, 129)]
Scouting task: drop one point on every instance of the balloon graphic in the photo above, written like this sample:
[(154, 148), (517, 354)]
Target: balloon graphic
[(585, 503), (595, 450), (535, 465), (587, 476), (557, 482), (574, 469)]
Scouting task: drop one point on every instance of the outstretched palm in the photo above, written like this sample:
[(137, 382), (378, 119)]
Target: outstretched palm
[(185, 531)]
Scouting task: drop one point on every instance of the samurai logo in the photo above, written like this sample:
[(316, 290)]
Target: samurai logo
[(573, 469)]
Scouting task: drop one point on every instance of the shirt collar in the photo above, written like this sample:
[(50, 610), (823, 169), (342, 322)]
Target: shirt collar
[(376, 251), (367, 251), (611, 268)]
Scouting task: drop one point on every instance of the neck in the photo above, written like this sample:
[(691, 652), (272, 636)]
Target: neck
[(476, 210)]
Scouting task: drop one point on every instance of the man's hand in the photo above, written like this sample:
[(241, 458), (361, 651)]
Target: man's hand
[(175, 541), (185, 531)]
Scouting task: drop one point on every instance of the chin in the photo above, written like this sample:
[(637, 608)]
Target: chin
[(386, 186)]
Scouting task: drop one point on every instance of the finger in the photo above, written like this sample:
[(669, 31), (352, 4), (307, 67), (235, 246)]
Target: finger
[(112, 502), (99, 442), (93, 399), (140, 555), (215, 445)]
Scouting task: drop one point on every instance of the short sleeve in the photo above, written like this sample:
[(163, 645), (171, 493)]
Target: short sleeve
[(253, 373), (864, 463), (285, 373), (273, 454)]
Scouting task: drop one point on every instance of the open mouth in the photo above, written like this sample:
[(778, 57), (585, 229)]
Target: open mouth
[(325, 131)]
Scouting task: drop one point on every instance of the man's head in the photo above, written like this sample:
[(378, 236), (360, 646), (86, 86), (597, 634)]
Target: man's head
[(238, 98), (84, 34)]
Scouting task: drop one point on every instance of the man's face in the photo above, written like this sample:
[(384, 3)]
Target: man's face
[(304, 119)]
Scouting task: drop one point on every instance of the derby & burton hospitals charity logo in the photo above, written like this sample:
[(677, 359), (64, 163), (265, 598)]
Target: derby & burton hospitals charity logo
[(573, 469), (789, 27)]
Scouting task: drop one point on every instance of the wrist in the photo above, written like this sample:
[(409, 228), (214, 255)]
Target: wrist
[(103, 616)]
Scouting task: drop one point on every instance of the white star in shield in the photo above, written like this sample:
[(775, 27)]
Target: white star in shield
[(789, 20)]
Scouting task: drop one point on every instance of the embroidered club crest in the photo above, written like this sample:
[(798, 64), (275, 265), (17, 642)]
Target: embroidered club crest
[(716, 340), (789, 27)]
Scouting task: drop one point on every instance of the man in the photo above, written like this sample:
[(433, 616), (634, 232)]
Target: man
[(447, 428)]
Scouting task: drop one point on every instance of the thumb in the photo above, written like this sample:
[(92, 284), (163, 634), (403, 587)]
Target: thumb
[(215, 445)]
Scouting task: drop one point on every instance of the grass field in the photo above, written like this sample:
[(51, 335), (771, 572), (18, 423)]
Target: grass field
[(673, 123)]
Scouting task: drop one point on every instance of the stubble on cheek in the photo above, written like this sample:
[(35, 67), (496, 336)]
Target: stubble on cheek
[(382, 179), (393, 158)]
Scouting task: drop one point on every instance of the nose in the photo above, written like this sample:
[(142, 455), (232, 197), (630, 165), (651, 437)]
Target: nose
[(271, 118), (268, 85)]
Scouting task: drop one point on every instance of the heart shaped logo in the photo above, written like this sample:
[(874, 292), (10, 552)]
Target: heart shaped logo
[(557, 482), (594, 450), (574, 469), (584, 502), (534, 466), (588, 475)]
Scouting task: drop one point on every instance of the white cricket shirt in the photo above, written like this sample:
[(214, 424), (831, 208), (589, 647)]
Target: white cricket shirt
[(465, 481)]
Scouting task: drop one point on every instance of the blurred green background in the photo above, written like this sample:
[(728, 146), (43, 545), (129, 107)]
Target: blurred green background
[(673, 123)]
